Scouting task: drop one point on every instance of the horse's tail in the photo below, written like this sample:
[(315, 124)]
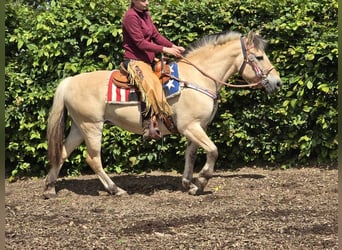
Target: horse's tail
[(56, 125)]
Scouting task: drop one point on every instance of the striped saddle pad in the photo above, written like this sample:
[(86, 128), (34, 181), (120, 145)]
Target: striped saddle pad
[(118, 95)]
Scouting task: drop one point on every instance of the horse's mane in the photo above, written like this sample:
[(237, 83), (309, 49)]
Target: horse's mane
[(222, 38)]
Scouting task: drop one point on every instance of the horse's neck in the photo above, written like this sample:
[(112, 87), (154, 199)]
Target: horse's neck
[(219, 62)]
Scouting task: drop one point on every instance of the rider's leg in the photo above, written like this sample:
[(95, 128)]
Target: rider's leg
[(149, 124)]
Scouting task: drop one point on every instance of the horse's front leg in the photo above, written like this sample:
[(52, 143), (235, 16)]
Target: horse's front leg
[(208, 169), (190, 158), (197, 135)]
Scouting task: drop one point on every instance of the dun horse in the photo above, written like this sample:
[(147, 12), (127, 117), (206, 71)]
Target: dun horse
[(203, 71)]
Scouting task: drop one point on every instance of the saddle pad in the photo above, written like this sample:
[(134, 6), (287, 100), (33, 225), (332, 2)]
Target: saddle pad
[(116, 95), (172, 87)]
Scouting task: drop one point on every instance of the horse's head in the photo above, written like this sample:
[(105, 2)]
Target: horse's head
[(256, 67)]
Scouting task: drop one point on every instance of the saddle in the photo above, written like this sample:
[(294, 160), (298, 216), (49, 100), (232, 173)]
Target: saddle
[(121, 79), (161, 69)]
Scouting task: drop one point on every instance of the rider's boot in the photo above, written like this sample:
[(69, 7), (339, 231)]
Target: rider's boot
[(151, 129), (150, 125)]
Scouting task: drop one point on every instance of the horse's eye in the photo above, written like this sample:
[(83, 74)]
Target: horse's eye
[(259, 58)]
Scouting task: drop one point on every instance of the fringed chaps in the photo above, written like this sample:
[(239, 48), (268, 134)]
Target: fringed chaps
[(142, 76)]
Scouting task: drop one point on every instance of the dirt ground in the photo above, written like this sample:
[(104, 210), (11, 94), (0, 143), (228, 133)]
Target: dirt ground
[(250, 208)]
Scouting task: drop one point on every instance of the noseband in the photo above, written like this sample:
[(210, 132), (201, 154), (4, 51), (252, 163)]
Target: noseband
[(250, 58)]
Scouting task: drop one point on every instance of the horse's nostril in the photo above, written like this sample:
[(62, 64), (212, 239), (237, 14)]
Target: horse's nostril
[(279, 84)]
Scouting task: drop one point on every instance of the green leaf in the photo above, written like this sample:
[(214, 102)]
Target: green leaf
[(309, 84), (304, 138), (35, 135), (293, 103), (323, 87), (118, 170), (20, 44), (89, 41), (309, 57)]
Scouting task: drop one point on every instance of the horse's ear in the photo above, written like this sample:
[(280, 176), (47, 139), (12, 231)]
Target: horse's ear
[(250, 37)]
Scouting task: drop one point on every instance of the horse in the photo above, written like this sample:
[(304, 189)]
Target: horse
[(204, 69)]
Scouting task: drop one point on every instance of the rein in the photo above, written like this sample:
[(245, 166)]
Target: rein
[(219, 81), (247, 59)]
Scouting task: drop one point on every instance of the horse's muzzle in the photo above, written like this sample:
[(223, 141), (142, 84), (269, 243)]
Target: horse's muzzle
[(271, 84)]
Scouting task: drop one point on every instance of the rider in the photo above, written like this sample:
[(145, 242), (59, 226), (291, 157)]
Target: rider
[(141, 42)]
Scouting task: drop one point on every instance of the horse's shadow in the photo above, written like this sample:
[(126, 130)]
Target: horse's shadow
[(135, 184), (244, 176)]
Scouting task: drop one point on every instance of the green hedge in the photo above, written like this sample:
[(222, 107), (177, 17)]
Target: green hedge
[(47, 42)]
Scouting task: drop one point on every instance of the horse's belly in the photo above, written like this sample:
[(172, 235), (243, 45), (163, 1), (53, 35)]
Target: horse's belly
[(124, 116), (128, 117)]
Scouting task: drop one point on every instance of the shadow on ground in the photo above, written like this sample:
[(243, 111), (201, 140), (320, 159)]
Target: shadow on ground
[(135, 184)]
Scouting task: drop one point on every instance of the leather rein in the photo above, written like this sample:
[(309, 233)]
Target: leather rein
[(248, 59)]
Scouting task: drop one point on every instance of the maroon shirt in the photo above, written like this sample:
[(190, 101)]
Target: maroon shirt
[(141, 39)]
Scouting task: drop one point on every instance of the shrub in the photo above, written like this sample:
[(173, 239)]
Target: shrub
[(62, 38)]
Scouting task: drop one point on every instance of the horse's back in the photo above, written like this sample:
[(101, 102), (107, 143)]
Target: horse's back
[(90, 80), (85, 93)]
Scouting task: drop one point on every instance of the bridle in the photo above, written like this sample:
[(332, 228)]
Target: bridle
[(251, 59), (248, 58)]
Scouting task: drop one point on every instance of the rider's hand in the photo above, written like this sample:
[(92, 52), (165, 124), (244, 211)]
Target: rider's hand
[(180, 48), (174, 50)]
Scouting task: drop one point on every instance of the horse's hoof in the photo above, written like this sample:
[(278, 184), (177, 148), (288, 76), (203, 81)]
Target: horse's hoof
[(49, 191), (49, 194), (194, 190), (186, 184), (201, 182)]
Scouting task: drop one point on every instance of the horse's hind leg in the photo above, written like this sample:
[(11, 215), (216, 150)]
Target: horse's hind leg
[(93, 136), (73, 140), (197, 135)]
